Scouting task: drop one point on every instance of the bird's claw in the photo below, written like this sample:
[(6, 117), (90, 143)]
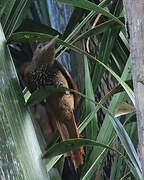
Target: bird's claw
[(59, 84)]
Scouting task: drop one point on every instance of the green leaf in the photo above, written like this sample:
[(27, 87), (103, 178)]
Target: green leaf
[(15, 13), (97, 30), (34, 26), (106, 134), (80, 25), (107, 43), (40, 94), (72, 144), (91, 7), (19, 118), (126, 141), (92, 127), (99, 104), (7, 8)]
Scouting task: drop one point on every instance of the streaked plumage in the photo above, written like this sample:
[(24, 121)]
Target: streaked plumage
[(45, 70)]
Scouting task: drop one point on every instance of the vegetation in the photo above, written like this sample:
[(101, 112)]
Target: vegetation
[(106, 116)]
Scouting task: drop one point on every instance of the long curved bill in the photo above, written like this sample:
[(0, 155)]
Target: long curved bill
[(51, 42)]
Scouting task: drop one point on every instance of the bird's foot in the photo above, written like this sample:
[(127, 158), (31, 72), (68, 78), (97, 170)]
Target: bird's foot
[(59, 84)]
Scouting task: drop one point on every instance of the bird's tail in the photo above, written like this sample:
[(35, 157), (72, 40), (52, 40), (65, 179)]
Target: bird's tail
[(68, 130)]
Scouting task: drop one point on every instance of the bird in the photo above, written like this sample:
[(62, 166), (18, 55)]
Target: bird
[(45, 70)]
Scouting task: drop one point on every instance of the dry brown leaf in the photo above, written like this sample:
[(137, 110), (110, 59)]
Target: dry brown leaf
[(123, 108)]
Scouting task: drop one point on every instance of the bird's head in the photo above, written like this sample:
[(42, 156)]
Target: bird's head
[(45, 52)]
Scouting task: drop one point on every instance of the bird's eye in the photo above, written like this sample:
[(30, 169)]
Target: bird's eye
[(40, 46)]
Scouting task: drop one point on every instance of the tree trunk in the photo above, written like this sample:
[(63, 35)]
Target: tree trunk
[(135, 25)]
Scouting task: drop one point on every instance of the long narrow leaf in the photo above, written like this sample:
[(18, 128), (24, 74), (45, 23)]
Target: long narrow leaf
[(72, 144), (19, 118), (106, 132), (126, 141), (91, 7), (97, 30)]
